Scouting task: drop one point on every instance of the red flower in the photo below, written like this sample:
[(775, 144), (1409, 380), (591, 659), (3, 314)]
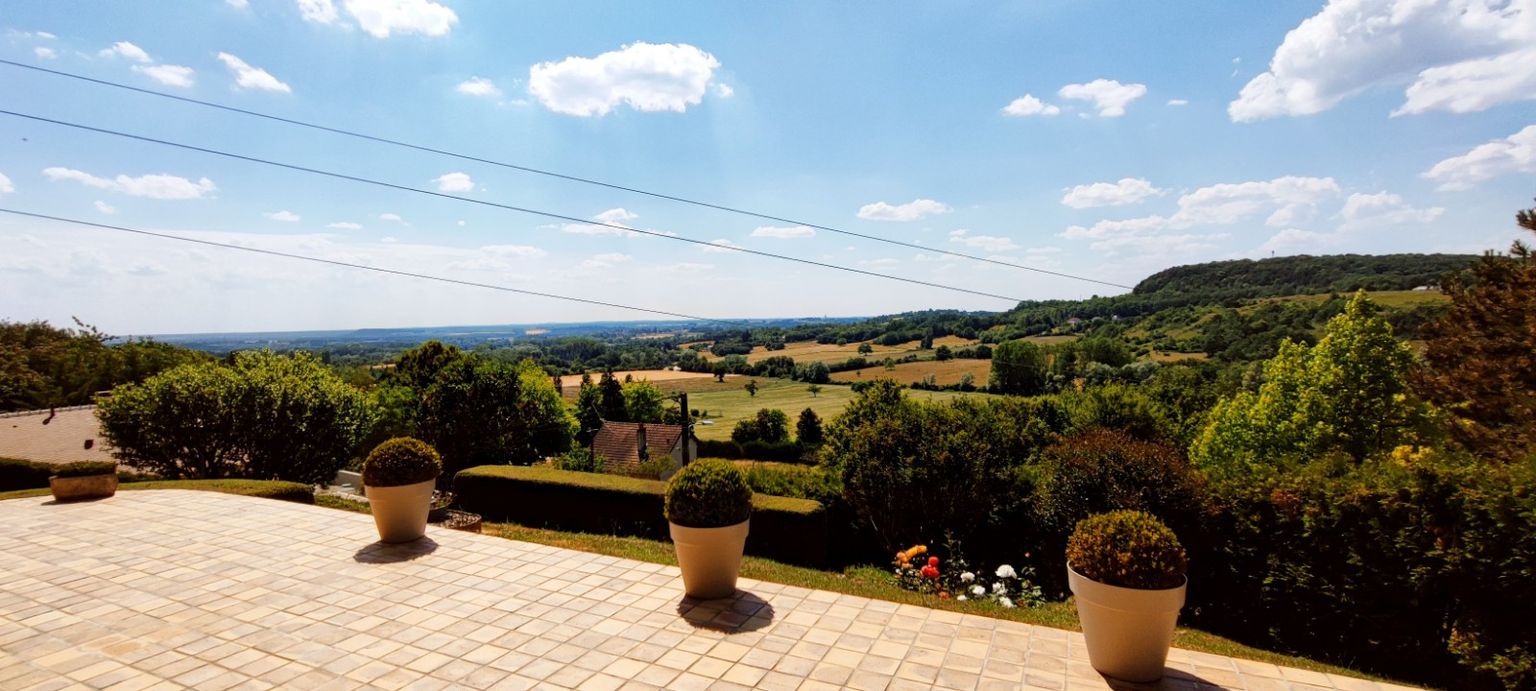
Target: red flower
[(933, 561), (930, 571)]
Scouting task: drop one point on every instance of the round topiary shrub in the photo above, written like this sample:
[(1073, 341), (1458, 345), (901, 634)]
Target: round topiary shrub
[(708, 493), (401, 461), (1130, 549)]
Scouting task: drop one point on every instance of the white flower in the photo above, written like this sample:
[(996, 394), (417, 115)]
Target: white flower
[(999, 587), (1005, 602), (1006, 571), (960, 599), (978, 591), (967, 577)]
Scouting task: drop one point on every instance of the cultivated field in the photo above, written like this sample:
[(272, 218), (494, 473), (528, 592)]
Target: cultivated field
[(572, 382), (947, 372), (811, 351)]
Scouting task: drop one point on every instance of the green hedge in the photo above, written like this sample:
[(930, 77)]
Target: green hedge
[(783, 529), (18, 474), (784, 452), (265, 489)]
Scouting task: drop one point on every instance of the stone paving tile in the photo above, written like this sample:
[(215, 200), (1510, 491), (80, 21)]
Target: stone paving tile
[(172, 589)]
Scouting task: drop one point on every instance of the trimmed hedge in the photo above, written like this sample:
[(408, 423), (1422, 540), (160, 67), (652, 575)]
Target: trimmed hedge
[(783, 529), (18, 474), (265, 489)]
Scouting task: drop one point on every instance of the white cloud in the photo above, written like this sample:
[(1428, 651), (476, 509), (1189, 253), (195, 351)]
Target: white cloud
[(612, 217), (1513, 154), (1109, 96), (380, 18), (391, 217), (152, 186), (1178, 102), (1028, 105), (721, 246), (1232, 202), (911, 211), (1108, 228), (724, 90), (1460, 55), (783, 232), (5, 185), (478, 86), (124, 49), (1126, 191), (454, 182), (44, 53), (1156, 245), (284, 216), (169, 75), (318, 11), (248, 77), (619, 215), (647, 77), (238, 4), (1383, 209), (605, 261), (105, 208), (989, 243), (1296, 241), (345, 225)]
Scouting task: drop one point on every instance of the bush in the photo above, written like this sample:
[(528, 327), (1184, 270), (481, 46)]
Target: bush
[(1130, 549), (18, 474), (785, 529), (85, 469), (769, 425), (478, 411), (401, 461), (708, 493), (1107, 470), (582, 460), (785, 452), (265, 416), (797, 481)]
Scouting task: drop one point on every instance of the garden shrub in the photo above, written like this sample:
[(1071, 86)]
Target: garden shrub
[(401, 461), (790, 480), (785, 529), (1129, 549), (18, 474), (583, 460), (708, 493), (1118, 406), (85, 469), (1108, 470)]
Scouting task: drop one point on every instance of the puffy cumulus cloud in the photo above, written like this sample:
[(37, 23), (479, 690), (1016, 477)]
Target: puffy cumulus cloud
[(613, 222), (910, 211), (478, 86), (1233, 202), (248, 77), (1125, 191), (1027, 105), (284, 216), (605, 261), (345, 225), (454, 182), (6, 187), (647, 77), (380, 18), (1513, 154), (1459, 55), (1108, 228), (989, 243), (392, 218), (152, 186), (169, 75), (1108, 96), (724, 90), (124, 49), (105, 208), (44, 53), (1383, 209), (783, 232)]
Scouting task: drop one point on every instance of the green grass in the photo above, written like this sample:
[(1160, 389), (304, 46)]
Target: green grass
[(729, 403), (872, 582), (545, 475), (269, 489)]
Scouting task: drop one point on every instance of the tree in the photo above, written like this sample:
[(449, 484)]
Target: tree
[(42, 366), (1479, 365), (769, 425), (720, 370), (263, 416), (611, 402), (643, 402), (926, 343), (1109, 351), (1018, 367), (865, 348), (419, 366), (588, 411), (1345, 394), (481, 412), (814, 372), (751, 388), (943, 353), (808, 429), (814, 389)]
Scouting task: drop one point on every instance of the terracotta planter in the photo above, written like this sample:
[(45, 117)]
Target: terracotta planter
[(1128, 630), (400, 513), (710, 558), (86, 487)]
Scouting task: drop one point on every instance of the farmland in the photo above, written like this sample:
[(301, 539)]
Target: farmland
[(811, 351), (944, 373)]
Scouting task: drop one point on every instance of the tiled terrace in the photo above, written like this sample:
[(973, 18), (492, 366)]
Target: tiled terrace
[(169, 589)]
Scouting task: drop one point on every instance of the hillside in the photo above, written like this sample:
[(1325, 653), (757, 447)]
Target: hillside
[(1303, 274)]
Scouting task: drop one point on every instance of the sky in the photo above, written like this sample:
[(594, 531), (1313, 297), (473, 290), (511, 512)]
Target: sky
[(1102, 140)]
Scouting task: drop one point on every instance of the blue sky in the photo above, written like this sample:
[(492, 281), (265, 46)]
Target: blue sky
[(1091, 138)]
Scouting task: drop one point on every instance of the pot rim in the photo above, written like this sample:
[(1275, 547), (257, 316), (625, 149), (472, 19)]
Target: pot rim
[(718, 527)]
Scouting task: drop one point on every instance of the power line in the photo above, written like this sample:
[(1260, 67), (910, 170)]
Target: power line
[(364, 267), (550, 173), (498, 205)]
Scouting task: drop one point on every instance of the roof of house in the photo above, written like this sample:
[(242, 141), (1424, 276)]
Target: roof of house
[(68, 435), (617, 442)]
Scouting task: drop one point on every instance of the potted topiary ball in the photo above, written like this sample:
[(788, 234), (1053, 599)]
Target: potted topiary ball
[(708, 505), (398, 478), (1126, 570), (84, 480)]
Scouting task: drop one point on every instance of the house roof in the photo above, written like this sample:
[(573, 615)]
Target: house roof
[(617, 442), (68, 435)]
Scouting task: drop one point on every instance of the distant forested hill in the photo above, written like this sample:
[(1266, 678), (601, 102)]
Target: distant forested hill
[(1341, 273)]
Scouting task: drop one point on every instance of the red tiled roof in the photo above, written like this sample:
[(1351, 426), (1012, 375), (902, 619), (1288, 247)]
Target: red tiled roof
[(617, 442)]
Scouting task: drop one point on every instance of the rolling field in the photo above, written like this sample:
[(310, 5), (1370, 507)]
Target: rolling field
[(947, 372), (811, 351)]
